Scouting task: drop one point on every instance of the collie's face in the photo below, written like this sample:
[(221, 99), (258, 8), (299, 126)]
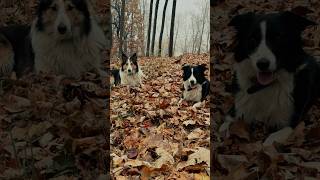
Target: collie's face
[(63, 19), (193, 76), (129, 65), (268, 43)]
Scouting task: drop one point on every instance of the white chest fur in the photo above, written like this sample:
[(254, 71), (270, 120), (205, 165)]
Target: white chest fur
[(70, 58), (131, 80), (274, 105), (193, 95)]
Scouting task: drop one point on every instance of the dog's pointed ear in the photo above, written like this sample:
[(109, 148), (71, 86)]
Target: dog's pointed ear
[(242, 21), (123, 57), (298, 22), (134, 57)]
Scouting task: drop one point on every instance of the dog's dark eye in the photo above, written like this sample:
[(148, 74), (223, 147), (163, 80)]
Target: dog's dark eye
[(54, 8), (69, 7)]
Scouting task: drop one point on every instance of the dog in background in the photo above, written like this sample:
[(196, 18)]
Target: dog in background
[(276, 80), (15, 51), (129, 73), (195, 85), (66, 38)]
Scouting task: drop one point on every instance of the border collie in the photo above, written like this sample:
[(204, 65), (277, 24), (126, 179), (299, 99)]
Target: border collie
[(129, 73), (66, 38), (276, 79), (15, 50), (195, 84)]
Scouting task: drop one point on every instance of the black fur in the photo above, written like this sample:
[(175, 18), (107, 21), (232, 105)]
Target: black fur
[(42, 7), (198, 73), (18, 36), (124, 59), (116, 75), (284, 39), (133, 58), (80, 5)]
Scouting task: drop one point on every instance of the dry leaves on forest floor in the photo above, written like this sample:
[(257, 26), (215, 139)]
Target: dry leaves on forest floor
[(154, 136), (238, 152), (52, 128)]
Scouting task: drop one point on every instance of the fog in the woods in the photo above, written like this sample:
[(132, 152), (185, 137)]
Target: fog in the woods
[(190, 31)]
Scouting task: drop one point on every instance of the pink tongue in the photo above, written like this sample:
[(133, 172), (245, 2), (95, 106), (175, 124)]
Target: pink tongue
[(265, 78)]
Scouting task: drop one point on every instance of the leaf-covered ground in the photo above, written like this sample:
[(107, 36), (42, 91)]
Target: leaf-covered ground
[(242, 154), (52, 128), (152, 135)]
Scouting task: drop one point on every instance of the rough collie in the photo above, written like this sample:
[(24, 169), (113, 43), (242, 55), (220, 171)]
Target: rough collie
[(129, 73), (66, 38), (276, 80)]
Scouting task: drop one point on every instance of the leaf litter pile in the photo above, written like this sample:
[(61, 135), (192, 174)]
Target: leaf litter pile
[(237, 152), (152, 135), (53, 128)]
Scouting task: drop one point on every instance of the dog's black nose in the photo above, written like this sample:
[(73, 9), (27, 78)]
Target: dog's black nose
[(129, 70), (192, 82), (62, 29), (263, 64)]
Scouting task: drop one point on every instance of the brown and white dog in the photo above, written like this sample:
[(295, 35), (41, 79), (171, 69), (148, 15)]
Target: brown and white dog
[(130, 72), (66, 38)]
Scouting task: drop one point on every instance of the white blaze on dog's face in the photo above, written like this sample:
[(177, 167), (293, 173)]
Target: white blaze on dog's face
[(263, 59), (129, 65), (191, 81), (63, 18), (193, 76)]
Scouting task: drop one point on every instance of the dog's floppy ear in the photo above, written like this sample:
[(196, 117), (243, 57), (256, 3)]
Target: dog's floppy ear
[(242, 21), (134, 57), (296, 21), (185, 67)]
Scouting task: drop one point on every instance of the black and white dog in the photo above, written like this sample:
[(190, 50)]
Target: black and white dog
[(66, 38), (129, 73), (276, 80), (195, 84)]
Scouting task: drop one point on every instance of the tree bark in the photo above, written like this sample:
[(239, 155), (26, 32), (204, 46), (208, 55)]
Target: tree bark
[(149, 28), (172, 28), (154, 27), (123, 8), (162, 26)]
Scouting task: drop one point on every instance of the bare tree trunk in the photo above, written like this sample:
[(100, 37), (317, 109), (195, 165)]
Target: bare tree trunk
[(192, 37), (123, 8), (175, 38), (143, 7), (172, 28), (185, 49), (162, 26), (149, 28), (154, 26), (201, 35), (208, 42), (204, 19)]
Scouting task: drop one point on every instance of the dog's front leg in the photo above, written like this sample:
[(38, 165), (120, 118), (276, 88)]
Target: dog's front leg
[(197, 105)]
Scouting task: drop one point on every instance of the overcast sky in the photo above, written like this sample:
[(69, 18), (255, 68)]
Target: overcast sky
[(185, 11)]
